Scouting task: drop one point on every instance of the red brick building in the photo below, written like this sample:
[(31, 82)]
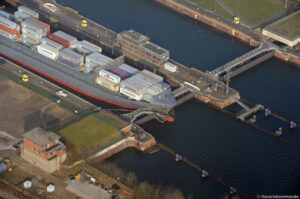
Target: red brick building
[(43, 149)]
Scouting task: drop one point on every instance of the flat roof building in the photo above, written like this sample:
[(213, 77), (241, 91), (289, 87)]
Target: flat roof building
[(43, 149), (140, 45)]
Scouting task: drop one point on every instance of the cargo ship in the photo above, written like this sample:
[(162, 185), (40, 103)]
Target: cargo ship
[(80, 65)]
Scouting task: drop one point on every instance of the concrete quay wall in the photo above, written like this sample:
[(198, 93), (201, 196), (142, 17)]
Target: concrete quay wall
[(121, 145), (209, 21)]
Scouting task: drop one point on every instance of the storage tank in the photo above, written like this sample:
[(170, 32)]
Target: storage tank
[(48, 51)]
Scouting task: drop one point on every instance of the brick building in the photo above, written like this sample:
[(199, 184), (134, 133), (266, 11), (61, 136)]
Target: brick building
[(43, 149), (140, 45)]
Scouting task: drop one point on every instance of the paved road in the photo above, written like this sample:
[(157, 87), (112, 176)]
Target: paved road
[(6, 195)]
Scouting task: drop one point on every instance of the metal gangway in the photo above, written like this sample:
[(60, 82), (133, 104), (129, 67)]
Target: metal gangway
[(248, 111), (264, 47)]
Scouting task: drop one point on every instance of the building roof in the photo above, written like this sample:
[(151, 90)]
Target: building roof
[(40, 136), (155, 49), (135, 37)]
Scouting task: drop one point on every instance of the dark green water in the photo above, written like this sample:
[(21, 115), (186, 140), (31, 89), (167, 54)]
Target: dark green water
[(242, 156)]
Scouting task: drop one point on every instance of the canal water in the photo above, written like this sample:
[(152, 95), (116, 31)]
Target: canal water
[(240, 155)]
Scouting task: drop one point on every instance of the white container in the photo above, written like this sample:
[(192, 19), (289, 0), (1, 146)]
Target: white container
[(132, 95), (128, 69), (28, 11), (7, 35), (170, 67), (108, 84), (97, 59), (87, 47), (5, 14), (33, 26), (109, 76), (48, 51), (7, 23), (152, 75), (51, 43)]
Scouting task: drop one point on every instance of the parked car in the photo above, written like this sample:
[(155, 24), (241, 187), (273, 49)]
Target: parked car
[(61, 93)]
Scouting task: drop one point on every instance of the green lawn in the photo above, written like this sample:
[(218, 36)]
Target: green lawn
[(252, 11), (256, 11), (211, 5), (289, 27), (90, 133)]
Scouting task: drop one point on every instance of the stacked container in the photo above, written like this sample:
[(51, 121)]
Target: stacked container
[(170, 67), (87, 47), (64, 39), (108, 80), (9, 28), (48, 51), (51, 43), (6, 15), (127, 70), (33, 30), (95, 60), (108, 84), (136, 86), (24, 13), (70, 58)]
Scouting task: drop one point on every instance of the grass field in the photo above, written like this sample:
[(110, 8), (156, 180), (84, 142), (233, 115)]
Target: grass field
[(212, 5), (251, 11), (290, 26), (256, 11), (90, 133)]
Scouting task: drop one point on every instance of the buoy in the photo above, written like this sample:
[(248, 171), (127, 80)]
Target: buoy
[(279, 132), (292, 125), (267, 112), (232, 190), (204, 174), (178, 157), (253, 119)]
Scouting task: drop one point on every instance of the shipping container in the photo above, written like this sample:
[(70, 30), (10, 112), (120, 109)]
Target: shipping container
[(107, 84), (147, 97), (131, 94), (87, 47), (42, 23), (7, 35), (128, 69), (29, 33), (34, 27), (59, 40), (69, 38), (109, 76), (48, 51), (71, 56), (28, 11), (21, 16), (7, 23), (51, 43), (69, 63), (151, 75), (170, 67), (97, 59), (119, 73), (6, 15)]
